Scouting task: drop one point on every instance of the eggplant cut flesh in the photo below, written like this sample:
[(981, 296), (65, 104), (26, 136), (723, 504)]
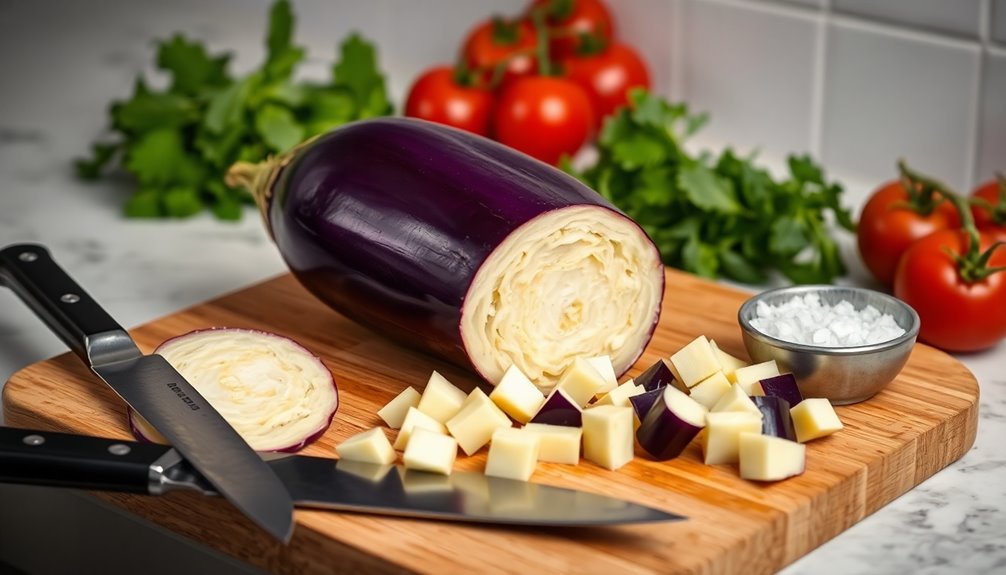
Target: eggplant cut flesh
[(458, 245)]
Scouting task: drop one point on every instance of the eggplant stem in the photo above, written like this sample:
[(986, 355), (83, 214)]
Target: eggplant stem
[(260, 178)]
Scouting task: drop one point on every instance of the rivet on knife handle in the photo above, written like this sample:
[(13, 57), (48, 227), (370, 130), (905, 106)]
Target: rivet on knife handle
[(68, 310)]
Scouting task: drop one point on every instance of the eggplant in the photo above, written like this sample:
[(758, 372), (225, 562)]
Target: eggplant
[(642, 402), (461, 246), (776, 420), (783, 386), (559, 409), (656, 376), (671, 424)]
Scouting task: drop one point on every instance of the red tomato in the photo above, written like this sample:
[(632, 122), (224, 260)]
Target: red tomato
[(500, 41), (569, 20), (993, 222), (886, 228), (544, 117), (435, 96), (607, 77), (955, 315)]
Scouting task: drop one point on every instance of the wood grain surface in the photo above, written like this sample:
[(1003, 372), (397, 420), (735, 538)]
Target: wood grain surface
[(921, 422)]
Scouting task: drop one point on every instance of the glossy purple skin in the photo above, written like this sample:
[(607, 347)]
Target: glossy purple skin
[(642, 403), (783, 386), (656, 376), (776, 419), (559, 410), (663, 434), (388, 220)]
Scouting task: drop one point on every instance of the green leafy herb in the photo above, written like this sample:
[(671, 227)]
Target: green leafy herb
[(177, 143), (716, 216)]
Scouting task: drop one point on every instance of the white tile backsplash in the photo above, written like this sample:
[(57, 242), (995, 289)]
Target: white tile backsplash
[(645, 25), (998, 24), (890, 95), (961, 17), (992, 122), (751, 67)]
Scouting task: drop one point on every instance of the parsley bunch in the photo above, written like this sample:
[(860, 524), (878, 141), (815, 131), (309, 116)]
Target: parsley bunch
[(716, 216), (179, 142)]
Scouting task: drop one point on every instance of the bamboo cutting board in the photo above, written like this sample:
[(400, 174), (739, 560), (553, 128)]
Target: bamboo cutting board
[(924, 420)]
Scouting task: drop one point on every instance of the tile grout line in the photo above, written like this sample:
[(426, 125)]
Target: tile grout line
[(977, 132), (819, 98)]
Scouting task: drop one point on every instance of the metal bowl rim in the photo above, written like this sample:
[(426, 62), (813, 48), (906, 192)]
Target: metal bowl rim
[(911, 332)]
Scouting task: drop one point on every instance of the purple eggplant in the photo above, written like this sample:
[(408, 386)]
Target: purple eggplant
[(461, 246), (656, 376), (671, 424), (775, 419), (783, 386), (559, 409), (642, 403)]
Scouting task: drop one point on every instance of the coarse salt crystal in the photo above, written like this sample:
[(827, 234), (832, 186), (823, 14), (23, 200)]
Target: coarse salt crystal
[(805, 319)]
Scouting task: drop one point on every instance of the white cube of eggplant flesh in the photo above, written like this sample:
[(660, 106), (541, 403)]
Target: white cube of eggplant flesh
[(474, 425), (721, 436), (557, 443), (370, 446), (430, 451), (748, 376), (416, 419), (393, 412), (516, 395), (441, 399), (814, 418), (608, 435), (770, 458), (621, 394), (513, 453), (728, 363), (710, 390), (694, 362), (602, 364), (581, 382), (736, 399)]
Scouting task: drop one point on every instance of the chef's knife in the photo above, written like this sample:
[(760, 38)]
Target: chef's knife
[(149, 385), (64, 460)]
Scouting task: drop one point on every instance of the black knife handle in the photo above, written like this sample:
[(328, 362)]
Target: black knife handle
[(54, 459), (64, 306)]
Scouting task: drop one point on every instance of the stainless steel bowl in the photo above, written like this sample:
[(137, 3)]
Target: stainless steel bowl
[(842, 374)]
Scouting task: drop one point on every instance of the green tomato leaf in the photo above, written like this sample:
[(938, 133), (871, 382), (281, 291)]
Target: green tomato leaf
[(708, 191), (192, 69), (279, 129)]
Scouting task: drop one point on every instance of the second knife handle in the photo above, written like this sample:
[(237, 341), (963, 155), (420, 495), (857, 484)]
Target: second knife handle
[(52, 459), (68, 310)]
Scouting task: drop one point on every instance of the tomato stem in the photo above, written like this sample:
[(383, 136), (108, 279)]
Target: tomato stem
[(972, 264), (542, 33), (922, 191)]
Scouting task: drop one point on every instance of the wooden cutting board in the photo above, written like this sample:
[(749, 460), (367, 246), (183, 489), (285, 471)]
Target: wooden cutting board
[(923, 421)]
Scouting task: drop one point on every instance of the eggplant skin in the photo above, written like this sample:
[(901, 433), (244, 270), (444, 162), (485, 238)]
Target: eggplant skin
[(388, 221)]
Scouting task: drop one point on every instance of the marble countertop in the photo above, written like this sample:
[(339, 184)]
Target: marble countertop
[(58, 77)]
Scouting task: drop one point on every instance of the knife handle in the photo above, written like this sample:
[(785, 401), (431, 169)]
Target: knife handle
[(64, 306), (63, 460)]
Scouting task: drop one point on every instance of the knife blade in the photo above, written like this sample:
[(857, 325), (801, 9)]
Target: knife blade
[(150, 386), (66, 460)]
